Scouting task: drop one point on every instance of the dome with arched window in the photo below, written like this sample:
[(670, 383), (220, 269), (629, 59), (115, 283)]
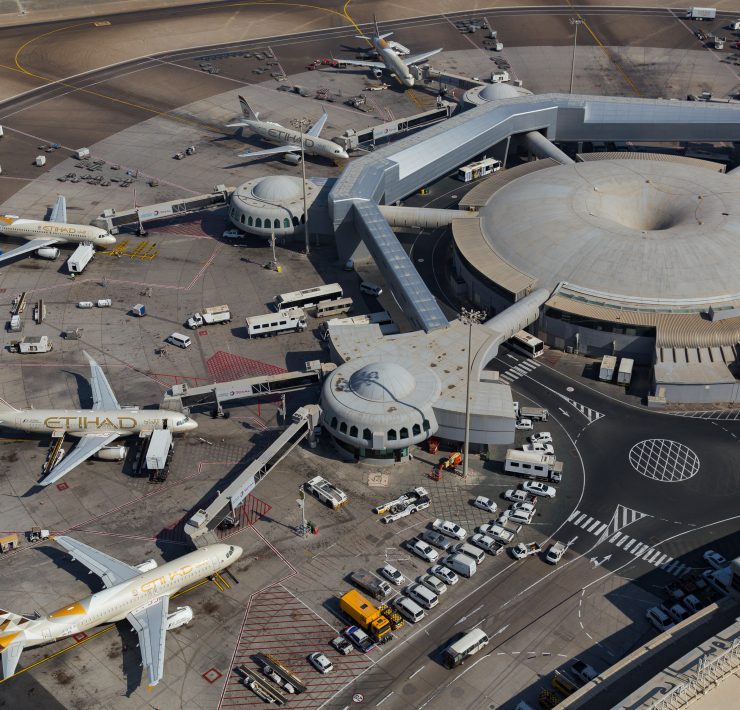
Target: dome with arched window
[(272, 204)]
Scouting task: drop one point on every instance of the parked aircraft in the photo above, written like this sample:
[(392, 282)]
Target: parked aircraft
[(139, 593), (390, 59), (288, 140), (96, 427), (42, 234)]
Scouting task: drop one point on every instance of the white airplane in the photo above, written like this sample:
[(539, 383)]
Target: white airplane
[(41, 234), (288, 140), (96, 427), (390, 59), (139, 593)]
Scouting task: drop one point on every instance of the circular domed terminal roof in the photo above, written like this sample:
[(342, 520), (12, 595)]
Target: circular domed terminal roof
[(275, 188), (382, 382), (631, 228), (491, 92)]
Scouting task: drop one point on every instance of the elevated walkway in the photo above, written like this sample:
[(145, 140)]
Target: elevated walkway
[(200, 527)]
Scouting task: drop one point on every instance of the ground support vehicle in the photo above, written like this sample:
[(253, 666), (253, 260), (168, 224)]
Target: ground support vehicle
[(208, 316), (367, 581), (526, 549), (365, 614), (325, 492), (404, 505)]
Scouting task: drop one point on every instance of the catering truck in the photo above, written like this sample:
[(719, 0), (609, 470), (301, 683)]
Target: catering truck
[(209, 316), (367, 616), (701, 13)]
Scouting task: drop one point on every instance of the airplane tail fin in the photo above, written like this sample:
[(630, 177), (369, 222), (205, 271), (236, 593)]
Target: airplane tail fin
[(247, 110), (375, 22), (5, 407), (11, 647), (385, 34)]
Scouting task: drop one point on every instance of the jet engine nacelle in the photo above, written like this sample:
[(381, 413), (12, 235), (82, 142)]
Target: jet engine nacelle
[(183, 615), (48, 253), (292, 158), (377, 73), (147, 566), (112, 453)]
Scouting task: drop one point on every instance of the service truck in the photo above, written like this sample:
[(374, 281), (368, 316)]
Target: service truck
[(209, 316), (80, 258), (367, 616), (31, 344), (375, 587), (607, 368), (539, 414), (701, 13)]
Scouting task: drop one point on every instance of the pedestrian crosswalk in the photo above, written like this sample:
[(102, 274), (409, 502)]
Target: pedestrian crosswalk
[(519, 370), (612, 532), (591, 414)]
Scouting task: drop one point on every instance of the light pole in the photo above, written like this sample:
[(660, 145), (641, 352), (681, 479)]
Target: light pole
[(574, 21), (470, 317), (300, 124)]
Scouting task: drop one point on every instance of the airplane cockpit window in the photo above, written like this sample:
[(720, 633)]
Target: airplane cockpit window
[(230, 551)]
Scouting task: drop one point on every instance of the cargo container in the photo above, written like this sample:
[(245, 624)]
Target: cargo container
[(80, 258), (608, 367), (139, 310), (624, 375), (369, 618), (158, 449), (16, 324)]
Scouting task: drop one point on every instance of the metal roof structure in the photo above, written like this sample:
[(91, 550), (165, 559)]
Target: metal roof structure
[(395, 171)]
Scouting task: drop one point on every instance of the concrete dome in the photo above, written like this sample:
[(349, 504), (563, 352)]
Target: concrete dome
[(275, 188), (493, 92), (637, 229), (382, 382)]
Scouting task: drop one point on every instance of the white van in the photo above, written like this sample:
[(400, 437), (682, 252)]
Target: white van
[(423, 596), (370, 288), (462, 564), (182, 341), (408, 609), (467, 549), (468, 645)]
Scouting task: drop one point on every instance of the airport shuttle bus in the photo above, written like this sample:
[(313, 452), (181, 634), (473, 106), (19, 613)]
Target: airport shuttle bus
[(272, 323), (338, 307), (381, 318), (526, 343), (463, 648), (308, 297)]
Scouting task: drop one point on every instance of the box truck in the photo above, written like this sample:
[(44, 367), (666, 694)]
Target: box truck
[(701, 13), (80, 258), (208, 316), (624, 374), (607, 368)]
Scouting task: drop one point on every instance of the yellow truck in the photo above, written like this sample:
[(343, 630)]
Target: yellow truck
[(367, 616)]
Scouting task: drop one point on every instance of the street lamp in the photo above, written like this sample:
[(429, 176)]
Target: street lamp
[(470, 317), (574, 21), (300, 124)]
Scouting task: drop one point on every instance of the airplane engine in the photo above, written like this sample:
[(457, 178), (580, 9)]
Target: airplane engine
[(147, 566), (292, 158), (47, 253), (183, 615), (112, 453), (377, 73)]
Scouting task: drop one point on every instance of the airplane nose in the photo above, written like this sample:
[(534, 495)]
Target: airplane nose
[(108, 239), (238, 551), (191, 424)]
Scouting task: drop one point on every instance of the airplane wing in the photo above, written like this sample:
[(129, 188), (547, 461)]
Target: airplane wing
[(27, 247), (109, 569), (317, 127), (86, 447), (103, 397), (362, 63), (150, 623), (270, 151), (416, 58), (59, 213)]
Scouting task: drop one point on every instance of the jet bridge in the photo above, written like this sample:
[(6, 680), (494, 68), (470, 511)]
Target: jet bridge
[(200, 526)]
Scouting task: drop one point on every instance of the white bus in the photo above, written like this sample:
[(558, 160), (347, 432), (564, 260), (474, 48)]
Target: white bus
[(463, 648), (308, 297), (327, 309), (479, 169), (381, 318), (272, 323), (526, 343)]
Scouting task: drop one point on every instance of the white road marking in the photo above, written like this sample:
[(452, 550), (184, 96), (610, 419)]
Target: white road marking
[(418, 670)]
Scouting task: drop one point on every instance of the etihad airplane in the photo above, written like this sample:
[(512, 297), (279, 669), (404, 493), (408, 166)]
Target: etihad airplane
[(390, 59), (139, 593), (288, 140), (96, 427), (42, 234)]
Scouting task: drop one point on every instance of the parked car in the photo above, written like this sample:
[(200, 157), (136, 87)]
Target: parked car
[(392, 575), (232, 234), (524, 425), (341, 645), (433, 583), (537, 488), (715, 560), (497, 532), (320, 662), (449, 528), (659, 619), (485, 504), (692, 603), (583, 671), (484, 542), (541, 437), (676, 611), (526, 506), (555, 553), (421, 549), (435, 538), (540, 448), (445, 574), (517, 496), (525, 549)]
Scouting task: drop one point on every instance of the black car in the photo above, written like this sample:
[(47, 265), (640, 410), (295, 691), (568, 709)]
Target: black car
[(435, 538)]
